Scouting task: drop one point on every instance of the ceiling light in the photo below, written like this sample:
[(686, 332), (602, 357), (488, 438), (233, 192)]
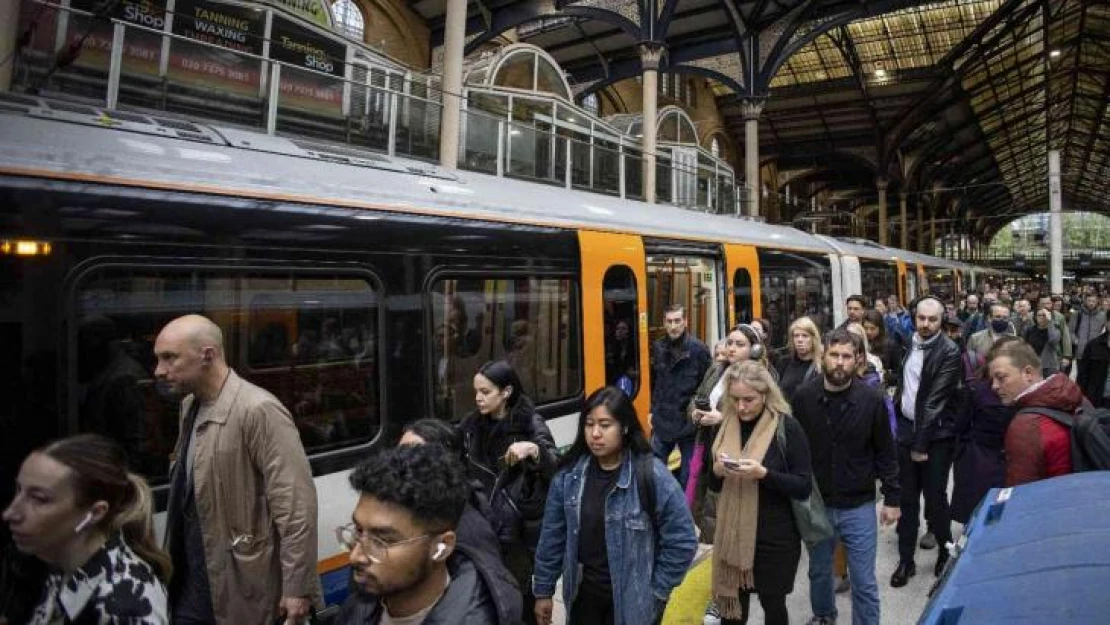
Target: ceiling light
[(1055, 53), (880, 73)]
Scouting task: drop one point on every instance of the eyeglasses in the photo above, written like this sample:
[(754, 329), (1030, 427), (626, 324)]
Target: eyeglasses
[(375, 548)]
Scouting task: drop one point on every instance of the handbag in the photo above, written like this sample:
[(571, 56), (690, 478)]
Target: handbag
[(517, 501), (809, 514)]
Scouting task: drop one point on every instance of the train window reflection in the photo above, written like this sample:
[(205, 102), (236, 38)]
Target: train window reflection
[(310, 341), (795, 285), (622, 352), (879, 279), (530, 322)]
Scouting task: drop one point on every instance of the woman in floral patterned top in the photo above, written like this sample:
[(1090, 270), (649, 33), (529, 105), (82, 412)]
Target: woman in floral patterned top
[(80, 511)]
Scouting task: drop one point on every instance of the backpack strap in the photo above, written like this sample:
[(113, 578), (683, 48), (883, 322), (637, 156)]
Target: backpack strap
[(1059, 416)]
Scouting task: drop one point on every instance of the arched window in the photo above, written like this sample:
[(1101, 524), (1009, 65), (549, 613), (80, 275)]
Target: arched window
[(715, 147), (349, 19), (590, 103)]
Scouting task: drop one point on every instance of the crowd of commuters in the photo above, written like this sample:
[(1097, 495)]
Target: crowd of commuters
[(475, 523)]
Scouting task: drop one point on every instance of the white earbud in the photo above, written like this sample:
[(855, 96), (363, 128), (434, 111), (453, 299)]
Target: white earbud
[(84, 523), (440, 548)]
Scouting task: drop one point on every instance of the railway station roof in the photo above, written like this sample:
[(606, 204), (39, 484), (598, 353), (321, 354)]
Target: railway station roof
[(956, 103)]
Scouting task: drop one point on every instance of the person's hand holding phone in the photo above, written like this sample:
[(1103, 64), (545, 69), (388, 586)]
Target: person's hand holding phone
[(745, 468)]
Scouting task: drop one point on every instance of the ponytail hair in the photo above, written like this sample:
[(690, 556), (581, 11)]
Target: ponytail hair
[(98, 468)]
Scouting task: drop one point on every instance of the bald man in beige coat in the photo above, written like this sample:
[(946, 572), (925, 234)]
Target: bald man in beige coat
[(242, 511)]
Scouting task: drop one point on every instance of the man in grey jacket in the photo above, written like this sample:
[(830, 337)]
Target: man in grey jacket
[(403, 544), (1086, 323)]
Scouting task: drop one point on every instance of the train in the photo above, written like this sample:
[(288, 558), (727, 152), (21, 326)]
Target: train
[(362, 290)]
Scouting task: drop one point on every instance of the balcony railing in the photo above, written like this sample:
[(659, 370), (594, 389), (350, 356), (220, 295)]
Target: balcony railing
[(156, 69)]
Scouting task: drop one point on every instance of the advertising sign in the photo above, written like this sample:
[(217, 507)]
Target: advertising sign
[(142, 49), (312, 10), (225, 25), (298, 46)]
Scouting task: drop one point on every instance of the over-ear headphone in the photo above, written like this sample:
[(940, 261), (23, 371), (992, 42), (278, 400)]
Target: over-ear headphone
[(755, 352), (440, 548)]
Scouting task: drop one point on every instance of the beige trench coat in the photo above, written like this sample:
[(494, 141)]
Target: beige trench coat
[(257, 505)]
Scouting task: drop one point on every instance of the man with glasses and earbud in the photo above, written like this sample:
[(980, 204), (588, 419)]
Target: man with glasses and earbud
[(402, 543)]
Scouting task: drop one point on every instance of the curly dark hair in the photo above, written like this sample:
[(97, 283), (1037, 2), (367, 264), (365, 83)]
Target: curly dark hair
[(427, 480)]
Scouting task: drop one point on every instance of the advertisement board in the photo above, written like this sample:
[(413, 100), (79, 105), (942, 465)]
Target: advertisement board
[(142, 49), (302, 47), (226, 25)]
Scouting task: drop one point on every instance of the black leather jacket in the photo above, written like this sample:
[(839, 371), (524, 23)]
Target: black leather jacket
[(937, 401)]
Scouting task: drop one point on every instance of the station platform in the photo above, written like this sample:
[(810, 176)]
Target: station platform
[(900, 606)]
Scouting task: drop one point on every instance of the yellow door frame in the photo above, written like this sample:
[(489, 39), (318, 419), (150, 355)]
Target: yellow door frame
[(599, 252), (742, 257)]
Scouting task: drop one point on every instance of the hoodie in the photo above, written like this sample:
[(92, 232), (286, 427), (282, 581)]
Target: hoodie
[(1037, 447)]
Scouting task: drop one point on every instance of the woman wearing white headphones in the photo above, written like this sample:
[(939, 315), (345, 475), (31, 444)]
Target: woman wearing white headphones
[(80, 511)]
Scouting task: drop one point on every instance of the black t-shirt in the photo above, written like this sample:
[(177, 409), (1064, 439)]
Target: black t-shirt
[(835, 404), (592, 552)]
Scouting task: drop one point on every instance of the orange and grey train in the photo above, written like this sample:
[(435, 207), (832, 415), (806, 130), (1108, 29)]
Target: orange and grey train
[(363, 291)]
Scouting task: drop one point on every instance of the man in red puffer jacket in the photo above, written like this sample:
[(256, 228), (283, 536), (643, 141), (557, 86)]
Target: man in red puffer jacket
[(1037, 447)]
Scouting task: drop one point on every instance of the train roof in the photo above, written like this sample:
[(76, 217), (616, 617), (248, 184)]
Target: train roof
[(44, 138)]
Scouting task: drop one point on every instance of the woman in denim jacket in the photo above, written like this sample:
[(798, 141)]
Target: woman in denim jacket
[(617, 567)]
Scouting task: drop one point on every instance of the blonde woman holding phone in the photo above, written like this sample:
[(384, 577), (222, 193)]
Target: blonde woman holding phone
[(761, 459)]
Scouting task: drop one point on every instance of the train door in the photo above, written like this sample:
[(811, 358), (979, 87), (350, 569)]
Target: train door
[(615, 317), (850, 284), (686, 275)]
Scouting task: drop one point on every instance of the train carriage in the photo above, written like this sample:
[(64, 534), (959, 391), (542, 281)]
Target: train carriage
[(361, 290)]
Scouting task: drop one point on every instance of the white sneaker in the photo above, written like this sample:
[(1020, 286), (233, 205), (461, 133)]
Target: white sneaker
[(712, 614)]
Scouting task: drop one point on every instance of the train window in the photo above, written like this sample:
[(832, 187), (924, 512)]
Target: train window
[(795, 285), (309, 340), (685, 280), (742, 295), (879, 279), (530, 322), (941, 283), (622, 351)]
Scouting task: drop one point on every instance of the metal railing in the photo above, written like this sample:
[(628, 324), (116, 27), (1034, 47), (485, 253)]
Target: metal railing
[(278, 97)]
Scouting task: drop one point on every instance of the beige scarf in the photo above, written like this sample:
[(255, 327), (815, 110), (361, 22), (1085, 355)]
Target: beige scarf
[(738, 513)]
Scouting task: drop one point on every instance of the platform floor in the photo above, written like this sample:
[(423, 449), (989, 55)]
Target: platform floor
[(900, 606)]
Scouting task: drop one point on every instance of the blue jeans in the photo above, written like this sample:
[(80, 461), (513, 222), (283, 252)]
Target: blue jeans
[(662, 450), (858, 530)]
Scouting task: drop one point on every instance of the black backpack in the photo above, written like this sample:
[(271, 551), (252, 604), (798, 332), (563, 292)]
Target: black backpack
[(1090, 435)]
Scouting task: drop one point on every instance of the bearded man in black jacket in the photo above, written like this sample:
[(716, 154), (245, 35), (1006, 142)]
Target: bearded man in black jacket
[(848, 428)]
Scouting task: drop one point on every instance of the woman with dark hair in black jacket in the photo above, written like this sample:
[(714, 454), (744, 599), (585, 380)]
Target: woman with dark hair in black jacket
[(506, 434), (885, 347)]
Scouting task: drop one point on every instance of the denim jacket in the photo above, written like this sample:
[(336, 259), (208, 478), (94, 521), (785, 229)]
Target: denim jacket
[(635, 554)]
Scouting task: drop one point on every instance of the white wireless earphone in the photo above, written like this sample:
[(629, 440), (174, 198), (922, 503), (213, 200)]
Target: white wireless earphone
[(440, 548), (84, 523)]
